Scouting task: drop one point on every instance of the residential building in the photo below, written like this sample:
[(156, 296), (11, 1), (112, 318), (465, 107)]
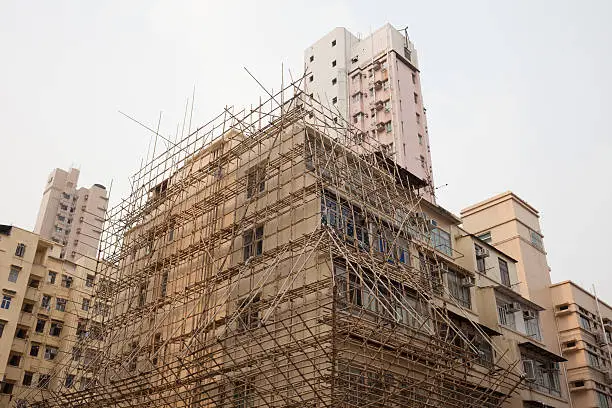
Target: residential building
[(510, 224), (42, 298), (585, 333), (374, 85), (71, 216), (278, 264)]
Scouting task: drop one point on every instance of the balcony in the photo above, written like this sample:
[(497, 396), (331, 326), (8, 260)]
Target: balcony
[(26, 319), (19, 345), (39, 271), (12, 374), (31, 294)]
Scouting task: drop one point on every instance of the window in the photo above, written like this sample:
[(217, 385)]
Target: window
[(536, 240), (480, 260), (66, 281), (416, 98), (85, 304), (593, 359), (532, 325), (347, 220), (505, 315), (388, 127), (602, 400), (358, 290), (420, 139), (14, 360), (503, 272), (333, 43), (76, 353), (311, 58), (142, 295), (60, 304), (27, 378), (6, 387), (21, 332), (311, 78), (252, 242), (43, 380), (334, 81), (40, 325), (333, 63), (335, 100), (164, 284), (66, 196), (388, 105), (69, 382), (422, 161), (50, 352), (34, 349), (56, 328), (20, 250), (51, 277), (2, 324), (485, 237), (27, 307), (89, 282), (248, 317), (256, 180), (418, 118), (6, 302), (441, 241), (243, 390), (45, 302), (413, 78), (14, 273), (457, 290), (61, 218)]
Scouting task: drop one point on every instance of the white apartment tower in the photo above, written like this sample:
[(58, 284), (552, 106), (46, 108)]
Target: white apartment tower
[(374, 84), (72, 216)]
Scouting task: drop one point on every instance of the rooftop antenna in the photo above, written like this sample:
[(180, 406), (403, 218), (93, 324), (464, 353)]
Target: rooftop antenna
[(405, 30)]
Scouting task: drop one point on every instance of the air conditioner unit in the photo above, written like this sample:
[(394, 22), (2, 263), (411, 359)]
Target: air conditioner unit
[(482, 252), (529, 367), (513, 307), (529, 314), (468, 281)]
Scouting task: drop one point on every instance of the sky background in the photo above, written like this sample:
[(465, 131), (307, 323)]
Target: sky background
[(518, 96)]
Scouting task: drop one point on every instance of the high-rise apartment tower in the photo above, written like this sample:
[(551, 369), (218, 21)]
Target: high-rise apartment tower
[(374, 84), (72, 216)]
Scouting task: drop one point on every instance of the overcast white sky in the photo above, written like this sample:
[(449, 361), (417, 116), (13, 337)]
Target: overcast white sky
[(518, 95)]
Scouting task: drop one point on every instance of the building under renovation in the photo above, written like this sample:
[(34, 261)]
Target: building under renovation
[(277, 257)]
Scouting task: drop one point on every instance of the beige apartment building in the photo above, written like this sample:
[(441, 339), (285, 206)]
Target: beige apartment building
[(43, 297), (585, 333), (71, 216), (276, 262), (512, 225)]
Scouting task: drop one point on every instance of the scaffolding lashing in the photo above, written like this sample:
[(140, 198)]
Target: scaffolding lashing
[(276, 258)]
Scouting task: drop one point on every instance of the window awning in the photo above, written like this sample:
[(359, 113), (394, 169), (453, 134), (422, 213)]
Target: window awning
[(489, 331), (534, 348), (517, 297)]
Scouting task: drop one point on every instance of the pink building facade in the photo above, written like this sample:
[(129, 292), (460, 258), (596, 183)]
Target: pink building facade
[(374, 84)]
